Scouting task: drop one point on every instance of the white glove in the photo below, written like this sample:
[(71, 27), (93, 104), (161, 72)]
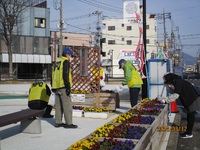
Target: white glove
[(172, 97), (169, 99), (161, 99)]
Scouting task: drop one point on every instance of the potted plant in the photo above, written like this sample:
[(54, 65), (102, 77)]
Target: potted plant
[(93, 112), (77, 111)]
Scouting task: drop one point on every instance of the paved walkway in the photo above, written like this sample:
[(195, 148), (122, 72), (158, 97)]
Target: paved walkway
[(52, 138)]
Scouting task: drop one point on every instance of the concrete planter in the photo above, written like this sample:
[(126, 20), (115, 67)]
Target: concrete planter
[(77, 113), (102, 115)]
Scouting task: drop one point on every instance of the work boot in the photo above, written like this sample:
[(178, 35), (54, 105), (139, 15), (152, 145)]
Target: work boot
[(70, 126), (47, 116)]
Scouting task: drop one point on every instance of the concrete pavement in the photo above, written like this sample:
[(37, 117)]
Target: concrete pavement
[(53, 138), (193, 143)]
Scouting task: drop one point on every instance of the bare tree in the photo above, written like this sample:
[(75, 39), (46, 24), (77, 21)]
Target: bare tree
[(10, 16)]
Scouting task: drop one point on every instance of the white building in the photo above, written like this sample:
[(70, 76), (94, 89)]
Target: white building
[(121, 40)]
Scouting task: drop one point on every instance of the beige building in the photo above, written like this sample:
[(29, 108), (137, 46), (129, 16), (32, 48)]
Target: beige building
[(121, 40), (69, 40)]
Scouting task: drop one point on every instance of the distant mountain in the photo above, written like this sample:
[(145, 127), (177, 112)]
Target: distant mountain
[(188, 59)]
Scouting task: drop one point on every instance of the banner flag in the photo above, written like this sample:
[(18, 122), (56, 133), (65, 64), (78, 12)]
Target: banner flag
[(130, 10), (132, 15)]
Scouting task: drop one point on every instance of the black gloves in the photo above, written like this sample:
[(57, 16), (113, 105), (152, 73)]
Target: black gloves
[(68, 90)]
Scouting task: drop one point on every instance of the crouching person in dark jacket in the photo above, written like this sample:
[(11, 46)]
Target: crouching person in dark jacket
[(185, 91), (38, 98)]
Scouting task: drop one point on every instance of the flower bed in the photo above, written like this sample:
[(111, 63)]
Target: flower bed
[(78, 107), (77, 111), (80, 92), (136, 119), (93, 143), (94, 109), (152, 107), (90, 112), (146, 111), (120, 131), (113, 144), (137, 128), (84, 144)]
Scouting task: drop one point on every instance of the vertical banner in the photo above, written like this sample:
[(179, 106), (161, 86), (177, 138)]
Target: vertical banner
[(83, 62), (132, 15), (130, 10)]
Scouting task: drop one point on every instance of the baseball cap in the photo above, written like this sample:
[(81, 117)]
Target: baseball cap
[(68, 51), (120, 63)]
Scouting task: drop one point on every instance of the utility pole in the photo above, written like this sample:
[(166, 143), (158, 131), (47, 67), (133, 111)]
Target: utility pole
[(61, 28), (98, 29), (89, 27), (164, 16), (144, 86)]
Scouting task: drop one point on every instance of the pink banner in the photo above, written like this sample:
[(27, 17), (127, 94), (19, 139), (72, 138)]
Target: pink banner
[(140, 47)]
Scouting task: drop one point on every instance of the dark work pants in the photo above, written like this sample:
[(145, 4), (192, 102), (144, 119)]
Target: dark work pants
[(39, 105), (134, 92), (190, 121)]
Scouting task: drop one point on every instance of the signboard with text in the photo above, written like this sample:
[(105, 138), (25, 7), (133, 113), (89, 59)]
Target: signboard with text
[(78, 97)]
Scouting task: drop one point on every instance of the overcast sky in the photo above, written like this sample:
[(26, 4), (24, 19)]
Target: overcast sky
[(185, 17)]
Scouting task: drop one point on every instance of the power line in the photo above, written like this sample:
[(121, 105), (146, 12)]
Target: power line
[(78, 17), (186, 8), (101, 6), (107, 4), (190, 35), (192, 45)]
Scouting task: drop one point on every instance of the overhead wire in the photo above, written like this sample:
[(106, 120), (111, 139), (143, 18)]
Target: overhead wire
[(101, 6)]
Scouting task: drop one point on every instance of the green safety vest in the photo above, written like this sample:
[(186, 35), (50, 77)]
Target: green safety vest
[(57, 74), (135, 79)]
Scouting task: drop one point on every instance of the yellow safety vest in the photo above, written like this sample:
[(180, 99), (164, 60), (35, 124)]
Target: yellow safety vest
[(57, 74), (38, 92), (95, 72)]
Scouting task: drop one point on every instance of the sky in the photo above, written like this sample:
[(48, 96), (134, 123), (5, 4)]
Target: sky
[(185, 17)]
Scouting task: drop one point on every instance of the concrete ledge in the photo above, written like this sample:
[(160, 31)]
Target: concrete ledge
[(173, 137), (31, 126)]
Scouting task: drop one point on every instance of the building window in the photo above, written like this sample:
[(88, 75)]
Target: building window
[(40, 22), (129, 27), (111, 28), (111, 41), (147, 26), (129, 42), (147, 41), (122, 39), (122, 25)]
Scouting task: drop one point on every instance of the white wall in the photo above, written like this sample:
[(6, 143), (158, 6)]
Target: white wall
[(121, 35)]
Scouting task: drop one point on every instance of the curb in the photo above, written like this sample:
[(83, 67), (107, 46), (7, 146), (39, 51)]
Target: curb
[(13, 95), (173, 137)]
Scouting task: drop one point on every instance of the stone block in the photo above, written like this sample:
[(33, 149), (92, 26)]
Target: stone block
[(31, 126)]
